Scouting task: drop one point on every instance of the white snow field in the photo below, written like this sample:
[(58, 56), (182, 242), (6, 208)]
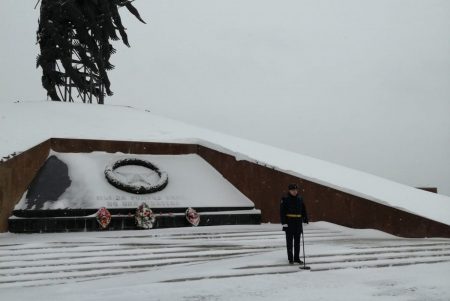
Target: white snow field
[(25, 124), (222, 263)]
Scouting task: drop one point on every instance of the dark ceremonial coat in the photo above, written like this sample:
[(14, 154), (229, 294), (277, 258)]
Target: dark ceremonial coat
[(293, 213)]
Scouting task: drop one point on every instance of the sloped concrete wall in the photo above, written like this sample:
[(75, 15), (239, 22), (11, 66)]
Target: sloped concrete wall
[(263, 185), (16, 175), (128, 147)]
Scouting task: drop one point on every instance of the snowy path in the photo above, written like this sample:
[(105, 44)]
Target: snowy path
[(50, 259)]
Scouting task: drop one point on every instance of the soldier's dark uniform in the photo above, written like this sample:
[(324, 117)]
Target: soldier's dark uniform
[(293, 213)]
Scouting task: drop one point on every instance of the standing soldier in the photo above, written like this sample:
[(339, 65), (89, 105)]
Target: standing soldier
[(292, 214)]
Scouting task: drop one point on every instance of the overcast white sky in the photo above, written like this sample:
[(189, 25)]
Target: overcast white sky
[(362, 83)]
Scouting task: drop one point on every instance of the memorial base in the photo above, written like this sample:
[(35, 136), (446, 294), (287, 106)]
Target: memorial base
[(79, 220)]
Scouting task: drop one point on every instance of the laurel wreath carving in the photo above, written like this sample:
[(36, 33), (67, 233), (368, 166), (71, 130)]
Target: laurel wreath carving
[(144, 186)]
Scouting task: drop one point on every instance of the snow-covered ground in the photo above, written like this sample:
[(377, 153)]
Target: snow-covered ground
[(23, 125), (222, 263)]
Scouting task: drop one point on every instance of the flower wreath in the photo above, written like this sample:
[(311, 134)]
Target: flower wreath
[(192, 217), (114, 180), (103, 217), (144, 217)]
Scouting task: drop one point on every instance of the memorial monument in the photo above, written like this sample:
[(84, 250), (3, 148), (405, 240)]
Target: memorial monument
[(100, 191)]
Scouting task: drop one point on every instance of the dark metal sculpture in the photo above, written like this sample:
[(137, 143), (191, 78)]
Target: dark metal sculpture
[(74, 38)]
